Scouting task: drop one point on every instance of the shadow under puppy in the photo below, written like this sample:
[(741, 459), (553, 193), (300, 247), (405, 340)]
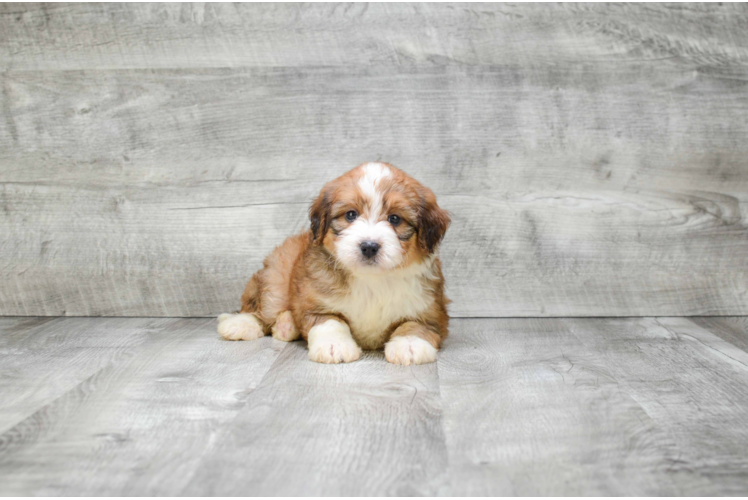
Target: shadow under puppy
[(366, 275)]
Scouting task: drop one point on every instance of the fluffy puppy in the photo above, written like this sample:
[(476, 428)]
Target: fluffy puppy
[(366, 275)]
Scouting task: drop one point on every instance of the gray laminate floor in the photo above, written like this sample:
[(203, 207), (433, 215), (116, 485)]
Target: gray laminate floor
[(131, 406)]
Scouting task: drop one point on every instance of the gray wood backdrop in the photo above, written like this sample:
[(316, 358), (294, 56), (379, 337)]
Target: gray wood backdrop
[(594, 157)]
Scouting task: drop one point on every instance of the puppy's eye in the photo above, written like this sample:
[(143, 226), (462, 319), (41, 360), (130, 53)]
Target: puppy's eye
[(351, 215), (394, 220)]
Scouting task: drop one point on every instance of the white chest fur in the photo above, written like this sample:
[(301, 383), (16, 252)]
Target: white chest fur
[(374, 302)]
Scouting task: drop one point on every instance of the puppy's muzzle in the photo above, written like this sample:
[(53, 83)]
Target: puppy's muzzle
[(369, 249)]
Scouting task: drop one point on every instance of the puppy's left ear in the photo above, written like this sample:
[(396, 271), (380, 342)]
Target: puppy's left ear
[(319, 215), (433, 222)]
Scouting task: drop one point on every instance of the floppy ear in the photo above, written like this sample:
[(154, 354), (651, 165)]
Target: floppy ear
[(319, 214), (432, 224)]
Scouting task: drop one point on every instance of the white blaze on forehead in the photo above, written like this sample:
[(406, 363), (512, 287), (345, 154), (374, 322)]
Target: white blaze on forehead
[(373, 173)]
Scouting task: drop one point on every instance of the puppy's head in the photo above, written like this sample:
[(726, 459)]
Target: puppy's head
[(376, 218)]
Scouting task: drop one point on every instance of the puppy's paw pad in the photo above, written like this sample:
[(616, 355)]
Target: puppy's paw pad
[(409, 350), (334, 351), (241, 326), (284, 328)]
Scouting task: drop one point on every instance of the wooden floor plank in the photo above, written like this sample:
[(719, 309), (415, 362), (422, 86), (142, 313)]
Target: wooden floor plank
[(693, 384), (628, 406), (731, 329), (368, 427), (42, 358), (139, 426), (529, 410), (17, 326)]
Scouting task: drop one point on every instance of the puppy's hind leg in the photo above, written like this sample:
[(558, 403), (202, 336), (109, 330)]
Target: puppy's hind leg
[(240, 326), (284, 328), (246, 324)]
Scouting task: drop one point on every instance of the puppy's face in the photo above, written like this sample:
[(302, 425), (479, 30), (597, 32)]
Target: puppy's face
[(376, 218)]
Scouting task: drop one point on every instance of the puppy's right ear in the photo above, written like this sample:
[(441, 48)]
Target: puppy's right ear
[(319, 214)]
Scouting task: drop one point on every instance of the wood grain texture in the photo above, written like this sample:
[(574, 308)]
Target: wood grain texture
[(687, 380), (594, 407), (342, 430), (126, 36), (733, 329), (593, 156), (140, 424), (522, 406), (170, 228), (42, 359), (532, 412)]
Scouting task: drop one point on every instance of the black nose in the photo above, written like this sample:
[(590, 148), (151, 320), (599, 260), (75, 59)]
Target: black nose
[(369, 249)]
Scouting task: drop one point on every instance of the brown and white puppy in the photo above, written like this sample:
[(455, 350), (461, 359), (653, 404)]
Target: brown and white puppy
[(366, 275)]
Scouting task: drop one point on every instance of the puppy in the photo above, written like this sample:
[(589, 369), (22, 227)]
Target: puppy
[(366, 275)]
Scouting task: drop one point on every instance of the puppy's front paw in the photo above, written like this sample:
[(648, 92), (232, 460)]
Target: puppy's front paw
[(284, 328), (409, 350), (334, 351), (242, 326), (331, 342)]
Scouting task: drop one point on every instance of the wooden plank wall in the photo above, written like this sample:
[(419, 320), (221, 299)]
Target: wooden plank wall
[(594, 156)]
